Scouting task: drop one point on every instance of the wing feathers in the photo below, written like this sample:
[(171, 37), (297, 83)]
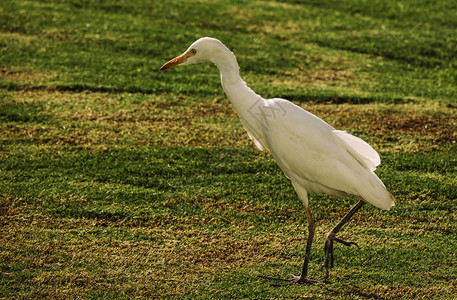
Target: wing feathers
[(359, 149)]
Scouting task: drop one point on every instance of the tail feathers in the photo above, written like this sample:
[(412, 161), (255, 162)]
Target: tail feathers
[(374, 192)]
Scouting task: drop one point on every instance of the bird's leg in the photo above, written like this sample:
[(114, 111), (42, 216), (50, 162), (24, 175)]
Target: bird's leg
[(311, 228), (304, 272), (331, 237)]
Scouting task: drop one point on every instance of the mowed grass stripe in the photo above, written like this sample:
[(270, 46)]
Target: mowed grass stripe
[(346, 50), (144, 182), (100, 121)]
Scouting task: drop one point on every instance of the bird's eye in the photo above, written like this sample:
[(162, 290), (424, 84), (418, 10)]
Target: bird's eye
[(193, 51)]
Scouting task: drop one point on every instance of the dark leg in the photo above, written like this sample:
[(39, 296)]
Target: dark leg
[(309, 242), (304, 272), (328, 248)]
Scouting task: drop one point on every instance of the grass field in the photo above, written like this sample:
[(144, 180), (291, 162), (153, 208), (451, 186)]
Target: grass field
[(117, 181)]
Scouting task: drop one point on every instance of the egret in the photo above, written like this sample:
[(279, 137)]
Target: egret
[(316, 157)]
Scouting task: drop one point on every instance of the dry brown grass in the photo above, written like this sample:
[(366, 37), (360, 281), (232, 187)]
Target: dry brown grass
[(408, 127), (70, 257), (99, 121), (21, 75)]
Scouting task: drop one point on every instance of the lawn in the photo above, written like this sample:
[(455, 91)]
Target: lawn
[(118, 181)]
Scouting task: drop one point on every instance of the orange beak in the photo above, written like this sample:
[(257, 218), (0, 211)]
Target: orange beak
[(176, 61)]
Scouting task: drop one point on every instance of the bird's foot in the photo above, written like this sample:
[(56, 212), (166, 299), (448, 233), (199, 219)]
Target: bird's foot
[(293, 279), (345, 243), (328, 251)]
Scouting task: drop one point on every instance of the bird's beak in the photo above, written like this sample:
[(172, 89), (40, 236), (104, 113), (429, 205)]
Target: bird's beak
[(176, 61)]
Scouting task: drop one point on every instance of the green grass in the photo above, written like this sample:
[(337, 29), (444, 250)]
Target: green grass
[(118, 181)]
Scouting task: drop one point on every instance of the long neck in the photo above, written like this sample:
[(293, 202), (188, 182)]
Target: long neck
[(245, 101), (239, 94)]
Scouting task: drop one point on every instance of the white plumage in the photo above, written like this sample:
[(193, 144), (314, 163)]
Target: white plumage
[(314, 156)]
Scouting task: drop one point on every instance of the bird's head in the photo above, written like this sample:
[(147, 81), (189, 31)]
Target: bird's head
[(203, 50)]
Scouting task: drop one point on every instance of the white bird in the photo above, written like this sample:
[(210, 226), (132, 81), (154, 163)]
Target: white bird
[(312, 154)]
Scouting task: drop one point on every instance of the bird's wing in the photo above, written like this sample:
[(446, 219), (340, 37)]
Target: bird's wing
[(359, 149), (307, 148)]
